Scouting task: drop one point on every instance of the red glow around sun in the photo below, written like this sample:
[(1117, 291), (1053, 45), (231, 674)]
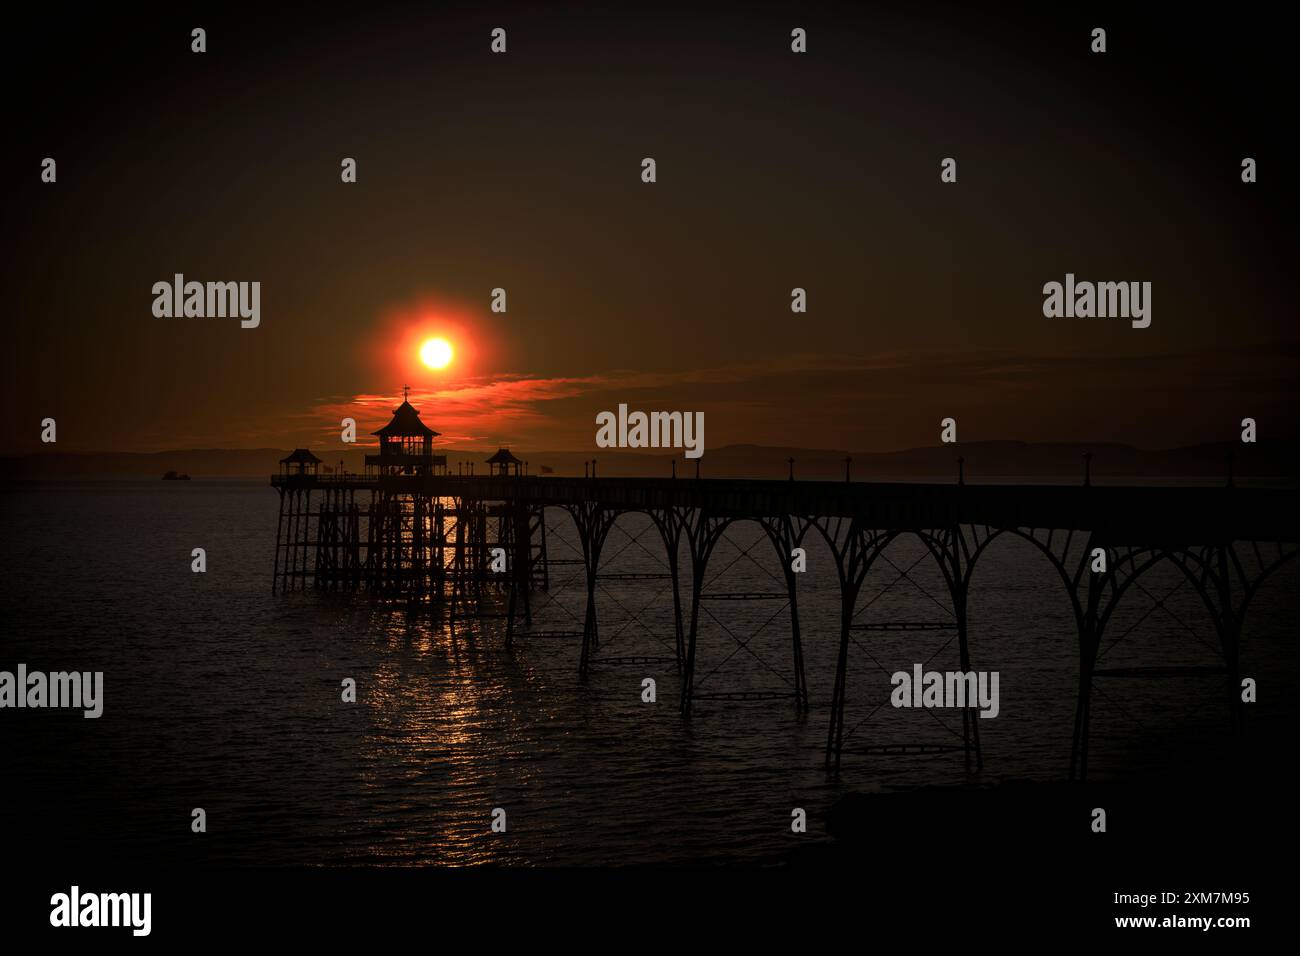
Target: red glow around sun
[(430, 343)]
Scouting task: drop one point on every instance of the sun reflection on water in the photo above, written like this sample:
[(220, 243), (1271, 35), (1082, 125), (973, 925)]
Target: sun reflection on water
[(445, 717)]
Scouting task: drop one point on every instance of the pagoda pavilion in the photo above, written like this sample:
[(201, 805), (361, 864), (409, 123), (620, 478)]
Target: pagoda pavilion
[(406, 445)]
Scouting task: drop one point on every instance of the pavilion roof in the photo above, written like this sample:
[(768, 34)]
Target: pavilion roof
[(300, 455), (406, 424)]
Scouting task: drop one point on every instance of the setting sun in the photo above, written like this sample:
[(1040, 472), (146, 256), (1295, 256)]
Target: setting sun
[(436, 353)]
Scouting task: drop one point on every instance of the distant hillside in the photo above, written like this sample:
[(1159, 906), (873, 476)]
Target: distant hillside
[(984, 461), (208, 462)]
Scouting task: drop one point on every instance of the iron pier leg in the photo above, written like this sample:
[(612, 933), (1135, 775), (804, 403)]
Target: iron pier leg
[(835, 737), (279, 524), (800, 683), (688, 676)]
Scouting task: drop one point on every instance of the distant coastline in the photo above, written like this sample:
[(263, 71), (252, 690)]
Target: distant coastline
[(1275, 462)]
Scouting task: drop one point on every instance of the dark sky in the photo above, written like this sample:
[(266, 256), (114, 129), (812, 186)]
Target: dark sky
[(522, 171)]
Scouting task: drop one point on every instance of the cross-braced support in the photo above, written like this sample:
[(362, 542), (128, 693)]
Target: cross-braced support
[(1094, 595), (855, 548), (293, 539), (669, 524), (703, 531), (519, 532), (786, 534), (593, 523), (956, 551), (1227, 576)]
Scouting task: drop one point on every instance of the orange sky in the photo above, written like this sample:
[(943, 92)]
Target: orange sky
[(523, 172)]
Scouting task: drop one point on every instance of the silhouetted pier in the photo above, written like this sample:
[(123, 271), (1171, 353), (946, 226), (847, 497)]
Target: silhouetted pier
[(475, 546)]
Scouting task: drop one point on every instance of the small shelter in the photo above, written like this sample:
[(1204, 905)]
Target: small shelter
[(502, 462), (299, 462)]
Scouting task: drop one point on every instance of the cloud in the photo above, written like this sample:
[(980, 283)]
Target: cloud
[(860, 401)]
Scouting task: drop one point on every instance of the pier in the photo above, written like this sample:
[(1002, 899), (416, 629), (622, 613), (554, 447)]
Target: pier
[(468, 546)]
